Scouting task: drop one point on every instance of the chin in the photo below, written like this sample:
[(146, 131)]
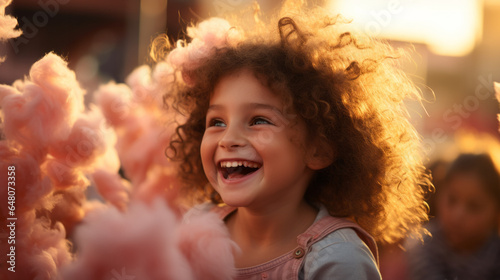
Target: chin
[(234, 201)]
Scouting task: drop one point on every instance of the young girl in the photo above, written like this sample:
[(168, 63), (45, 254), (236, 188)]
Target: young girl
[(299, 139), (465, 243)]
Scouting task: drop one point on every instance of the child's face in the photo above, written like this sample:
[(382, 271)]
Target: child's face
[(468, 215), (251, 153)]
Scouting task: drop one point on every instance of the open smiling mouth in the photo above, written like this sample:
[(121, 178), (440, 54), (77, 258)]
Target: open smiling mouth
[(238, 169)]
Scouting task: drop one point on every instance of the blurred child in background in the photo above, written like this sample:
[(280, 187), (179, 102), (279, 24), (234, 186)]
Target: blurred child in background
[(465, 243)]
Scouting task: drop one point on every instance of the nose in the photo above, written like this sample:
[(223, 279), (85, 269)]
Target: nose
[(232, 138), (458, 215)]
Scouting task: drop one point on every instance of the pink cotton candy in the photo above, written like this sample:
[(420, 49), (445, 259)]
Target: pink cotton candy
[(143, 160), (44, 250), (89, 144), (64, 175), (69, 208), (41, 111), (7, 23), (114, 101), (112, 188), (148, 87), (141, 243), (206, 37), (143, 132), (205, 241), (143, 149), (21, 122), (89, 139), (163, 77), (54, 146), (163, 183), (6, 91), (41, 248), (33, 189), (142, 87), (93, 205), (212, 32), (52, 75)]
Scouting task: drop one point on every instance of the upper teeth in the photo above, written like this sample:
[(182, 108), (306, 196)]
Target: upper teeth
[(239, 163)]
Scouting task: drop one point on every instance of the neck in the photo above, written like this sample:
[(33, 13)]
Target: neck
[(271, 226)]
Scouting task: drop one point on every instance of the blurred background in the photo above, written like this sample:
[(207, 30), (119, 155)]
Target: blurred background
[(454, 48)]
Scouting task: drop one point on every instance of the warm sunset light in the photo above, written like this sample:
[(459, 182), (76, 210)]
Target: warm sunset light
[(448, 27), (249, 139)]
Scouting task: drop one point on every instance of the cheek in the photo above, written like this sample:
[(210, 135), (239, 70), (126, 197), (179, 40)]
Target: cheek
[(207, 150), (286, 156), (486, 220), (445, 213)]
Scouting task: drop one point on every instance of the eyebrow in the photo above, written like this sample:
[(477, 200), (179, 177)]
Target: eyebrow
[(218, 107)]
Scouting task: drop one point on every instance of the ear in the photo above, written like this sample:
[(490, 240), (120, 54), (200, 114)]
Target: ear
[(319, 156)]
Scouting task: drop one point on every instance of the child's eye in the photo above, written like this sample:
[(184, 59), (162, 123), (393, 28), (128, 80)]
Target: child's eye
[(216, 122), (260, 120)]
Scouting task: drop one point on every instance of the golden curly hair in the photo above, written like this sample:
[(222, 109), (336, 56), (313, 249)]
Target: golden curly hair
[(350, 93)]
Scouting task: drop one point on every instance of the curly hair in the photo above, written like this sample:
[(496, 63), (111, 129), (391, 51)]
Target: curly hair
[(350, 93)]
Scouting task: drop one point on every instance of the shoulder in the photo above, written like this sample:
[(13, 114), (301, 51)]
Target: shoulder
[(341, 254)]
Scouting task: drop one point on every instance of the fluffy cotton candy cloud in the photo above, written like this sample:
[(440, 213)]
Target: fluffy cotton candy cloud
[(36, 113), (112, 188), (54, 146), (163, 77), (160, 182), (141, 83), (206, 37), (68, 210), (212, 31), (42, 109), (44, 248), (137, 114), (40, 245), (149, 242), (205, 242), (88, 139), (7, 23), (89, 142), (33, 188), (51, 73), (114, 100), (142, 149)]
